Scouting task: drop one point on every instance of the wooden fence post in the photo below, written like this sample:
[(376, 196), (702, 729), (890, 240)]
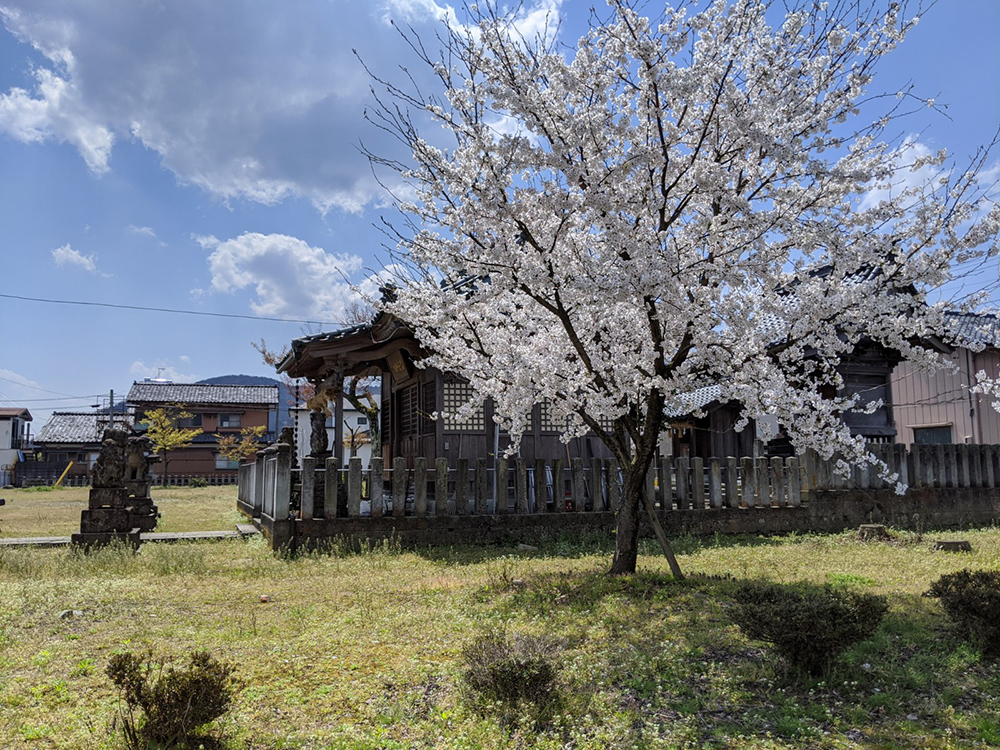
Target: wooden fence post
[(501, 496), (541, 487), (399, 482), (307, 495), (441, 487), (698, 483), (354, 487), (376, 484), (481, 478), (715, 483), (732, 495), (577, 480), (683, 483), (596, 485), (420, 486), (747, 477), (462, 487), (794, 482), (614, 488), (558, 486), (521, 486)]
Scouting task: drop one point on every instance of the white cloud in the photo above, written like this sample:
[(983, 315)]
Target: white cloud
[(185, 359), (145, 232), (242, 100), (67, 256), (159, 369), (290, 278)]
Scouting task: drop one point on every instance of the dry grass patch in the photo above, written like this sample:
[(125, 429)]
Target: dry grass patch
[(45, 511)]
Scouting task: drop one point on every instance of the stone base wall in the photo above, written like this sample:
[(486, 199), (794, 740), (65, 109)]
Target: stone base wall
[(828, 511)]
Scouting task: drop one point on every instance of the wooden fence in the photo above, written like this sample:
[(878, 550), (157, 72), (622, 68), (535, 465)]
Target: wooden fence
[(510, 487)]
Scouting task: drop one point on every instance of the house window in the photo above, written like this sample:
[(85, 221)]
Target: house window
[(932, 435), (456, 395), (230, 420), (223, 463), (547, 418), (187, 422), (362, 421)]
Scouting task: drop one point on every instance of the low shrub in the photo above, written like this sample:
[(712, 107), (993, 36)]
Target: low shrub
[(166, 706), (198, 482), (808, 626), (512, 675), (972, 601)]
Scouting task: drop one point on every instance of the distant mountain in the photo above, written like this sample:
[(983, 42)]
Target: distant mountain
[(284, 397)]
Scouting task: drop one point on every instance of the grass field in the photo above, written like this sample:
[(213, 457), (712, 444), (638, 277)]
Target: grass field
[(43, 511), (363, 650)]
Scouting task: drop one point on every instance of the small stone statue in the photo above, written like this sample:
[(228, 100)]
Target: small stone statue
[(317, 439), (137, 459), (109, 469)]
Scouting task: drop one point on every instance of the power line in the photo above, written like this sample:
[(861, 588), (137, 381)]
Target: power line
[(169, 310), (36, 388)]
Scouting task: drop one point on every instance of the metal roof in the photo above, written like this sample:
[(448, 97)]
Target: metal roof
[(77, 427), (201, 393), (16, 411)]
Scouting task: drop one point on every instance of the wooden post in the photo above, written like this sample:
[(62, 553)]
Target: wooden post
[(666, 484), (331, 486), (576, 474), (794, 481), (558, 486), (521, 486), (614, 489), (501, 497), (698, 483), (420, 486), (462, 487), (399, 486), (541, 487), (596, 485), (482, 482), (715, 483), (441, 487), (683, 483), (732, 495), (376, 483), (747, 477), (962, 453), (283, 482), (354, 487), (986, 461), (778, 482), (307, 496), (760, 485), (975, 473)]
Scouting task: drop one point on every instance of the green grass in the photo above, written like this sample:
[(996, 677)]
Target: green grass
[(363, 650), (45, 511)]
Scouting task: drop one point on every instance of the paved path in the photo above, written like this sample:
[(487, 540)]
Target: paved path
[(242, 530)]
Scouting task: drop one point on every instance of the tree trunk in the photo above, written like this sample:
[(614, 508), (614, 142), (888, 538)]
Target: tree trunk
[(627, 522)]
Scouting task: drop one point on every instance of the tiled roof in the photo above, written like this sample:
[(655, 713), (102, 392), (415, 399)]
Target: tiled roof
[(16, 411), (76, 427), (974, 330), (200, 393), (697, 399)]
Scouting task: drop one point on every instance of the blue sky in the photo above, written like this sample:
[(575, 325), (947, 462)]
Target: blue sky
[(203, 156)]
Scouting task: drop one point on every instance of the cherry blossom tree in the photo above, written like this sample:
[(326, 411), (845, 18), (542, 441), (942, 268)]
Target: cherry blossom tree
[(711, 196)]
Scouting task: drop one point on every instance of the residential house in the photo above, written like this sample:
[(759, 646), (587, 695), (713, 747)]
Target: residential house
[(216, 410), (69, 444), (940, 407), (15, 437)]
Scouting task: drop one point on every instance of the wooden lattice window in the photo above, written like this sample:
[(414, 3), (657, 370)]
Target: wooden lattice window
[(457, 395), (408, 418), (547, 419)]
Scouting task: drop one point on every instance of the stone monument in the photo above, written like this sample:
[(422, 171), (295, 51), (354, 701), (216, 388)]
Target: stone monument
[(138, 457), (109, 515)]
